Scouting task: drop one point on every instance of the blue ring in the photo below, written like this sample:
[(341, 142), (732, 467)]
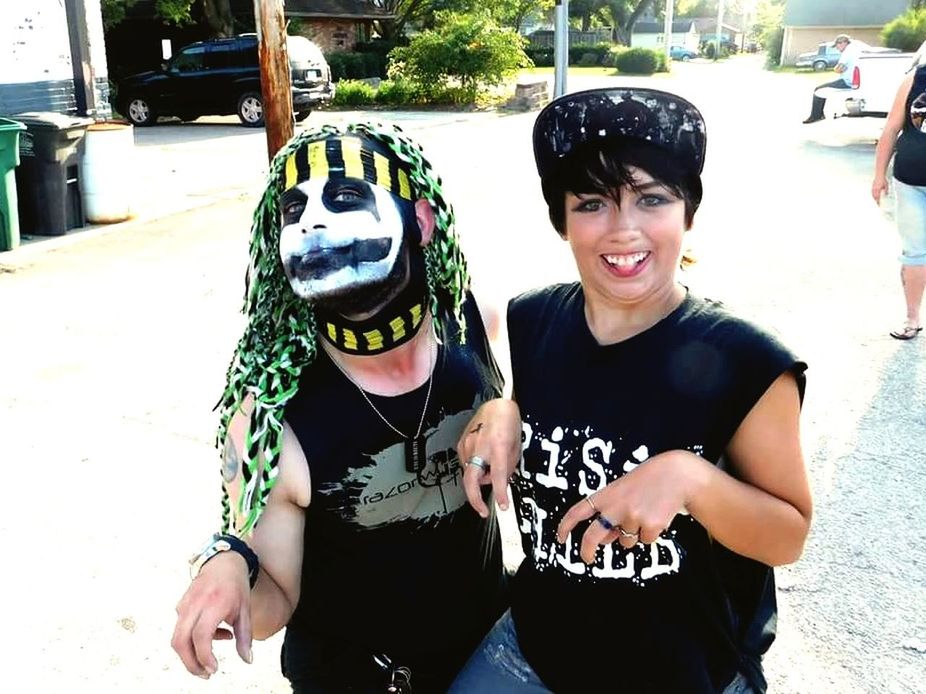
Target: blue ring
[(605, 523)]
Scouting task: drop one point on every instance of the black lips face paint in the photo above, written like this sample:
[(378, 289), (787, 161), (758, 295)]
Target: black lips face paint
[(340, 236)]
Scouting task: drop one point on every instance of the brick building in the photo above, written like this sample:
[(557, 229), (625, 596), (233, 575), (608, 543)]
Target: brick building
[(335, 25)]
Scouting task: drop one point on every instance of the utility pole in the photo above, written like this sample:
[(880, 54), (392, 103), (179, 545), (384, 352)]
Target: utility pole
[(560, 47), (719, 29), (670, 19), (275, 80)]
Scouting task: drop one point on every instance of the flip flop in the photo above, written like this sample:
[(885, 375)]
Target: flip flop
[(908, 333)]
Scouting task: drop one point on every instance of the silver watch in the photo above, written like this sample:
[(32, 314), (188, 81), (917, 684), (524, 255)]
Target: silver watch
[(215, 545)]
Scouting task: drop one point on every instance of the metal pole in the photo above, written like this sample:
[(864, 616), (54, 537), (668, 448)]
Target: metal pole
[(670, 18), (275, 80), (719, 29), (560, 47)]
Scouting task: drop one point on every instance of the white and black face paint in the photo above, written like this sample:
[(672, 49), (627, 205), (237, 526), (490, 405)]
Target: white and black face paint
[(339, 236)]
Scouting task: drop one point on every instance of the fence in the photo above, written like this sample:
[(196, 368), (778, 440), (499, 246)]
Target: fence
[(544, 37)]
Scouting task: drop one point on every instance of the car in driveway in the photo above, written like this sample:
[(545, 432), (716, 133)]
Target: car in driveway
[(825, 57), (682, 53), (222, 77)]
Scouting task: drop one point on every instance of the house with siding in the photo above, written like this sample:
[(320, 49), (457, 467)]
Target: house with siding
[(53, 57), (653, 35), (807, 23)]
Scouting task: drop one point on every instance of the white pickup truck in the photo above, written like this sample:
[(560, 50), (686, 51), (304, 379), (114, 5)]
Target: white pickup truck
[(875, 81)]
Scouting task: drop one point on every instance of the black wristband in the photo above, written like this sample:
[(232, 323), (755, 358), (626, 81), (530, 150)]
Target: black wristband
[(236, 544)]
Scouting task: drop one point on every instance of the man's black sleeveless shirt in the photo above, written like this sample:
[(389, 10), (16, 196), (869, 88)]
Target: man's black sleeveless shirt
[(395, 562), (910, 161), (680, 615)]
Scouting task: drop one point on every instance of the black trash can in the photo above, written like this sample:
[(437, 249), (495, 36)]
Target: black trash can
[(48, 177)]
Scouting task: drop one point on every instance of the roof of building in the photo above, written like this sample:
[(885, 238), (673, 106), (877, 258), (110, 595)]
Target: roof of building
[(708, 24), (679, 27), (843, 13), (348, 9)]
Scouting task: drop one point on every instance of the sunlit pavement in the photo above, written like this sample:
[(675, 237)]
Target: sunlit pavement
[(120, 337)]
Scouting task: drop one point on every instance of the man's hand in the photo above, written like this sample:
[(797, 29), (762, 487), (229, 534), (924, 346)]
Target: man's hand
[(494, 435), (220, 594)]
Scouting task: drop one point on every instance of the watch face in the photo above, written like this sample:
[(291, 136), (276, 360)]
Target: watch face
[(213, 547)]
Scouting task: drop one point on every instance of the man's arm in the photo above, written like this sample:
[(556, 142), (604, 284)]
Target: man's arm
[(220, 593)]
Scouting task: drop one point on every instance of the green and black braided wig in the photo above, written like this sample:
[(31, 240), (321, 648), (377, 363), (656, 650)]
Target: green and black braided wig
[(280, 337)]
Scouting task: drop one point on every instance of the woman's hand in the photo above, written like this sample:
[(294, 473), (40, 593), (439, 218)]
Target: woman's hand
[(878, 188), (638, 506), (489, 450)]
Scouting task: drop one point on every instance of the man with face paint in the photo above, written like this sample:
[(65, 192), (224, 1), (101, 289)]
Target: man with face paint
[(345, 516)]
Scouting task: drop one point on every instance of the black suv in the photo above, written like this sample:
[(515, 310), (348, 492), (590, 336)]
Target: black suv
[(222, 77)]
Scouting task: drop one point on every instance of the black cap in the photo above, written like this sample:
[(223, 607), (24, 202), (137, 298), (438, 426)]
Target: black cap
[(650, 115)]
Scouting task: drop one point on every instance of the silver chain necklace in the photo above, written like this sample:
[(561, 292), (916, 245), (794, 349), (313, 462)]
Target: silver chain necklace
[(415, 447)]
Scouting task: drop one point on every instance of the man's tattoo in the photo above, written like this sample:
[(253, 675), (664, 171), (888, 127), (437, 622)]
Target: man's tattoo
[(230, 461)]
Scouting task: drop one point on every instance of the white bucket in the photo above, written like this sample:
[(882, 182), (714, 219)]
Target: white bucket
[(106, 172)]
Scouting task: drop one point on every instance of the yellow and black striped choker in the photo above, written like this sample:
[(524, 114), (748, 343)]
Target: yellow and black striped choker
[(380, 333), (346, 157)]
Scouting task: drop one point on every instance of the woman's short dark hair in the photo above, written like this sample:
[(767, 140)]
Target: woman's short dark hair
[(603, 167)]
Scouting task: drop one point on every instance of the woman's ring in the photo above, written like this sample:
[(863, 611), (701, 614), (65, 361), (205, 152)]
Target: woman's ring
[(625, 533), (591, 503), (478, 462), (605, 523)]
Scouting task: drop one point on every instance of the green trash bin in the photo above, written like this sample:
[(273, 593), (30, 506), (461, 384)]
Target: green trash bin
[(9, 160)]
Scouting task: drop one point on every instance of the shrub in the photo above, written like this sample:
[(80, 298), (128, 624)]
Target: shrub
[(589, 55), (637, 61), (398, 92), (469, 50), (356, 65), (353, 93), (541, 57), (907, 32)]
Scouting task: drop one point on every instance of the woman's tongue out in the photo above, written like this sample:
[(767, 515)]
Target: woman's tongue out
[(626, 264)]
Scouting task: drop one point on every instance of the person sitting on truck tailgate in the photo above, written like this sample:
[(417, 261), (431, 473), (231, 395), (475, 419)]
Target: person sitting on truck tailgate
[(845, 67), (905, 134)]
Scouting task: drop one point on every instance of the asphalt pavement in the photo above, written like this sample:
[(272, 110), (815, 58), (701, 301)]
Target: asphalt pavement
[(117, 338)]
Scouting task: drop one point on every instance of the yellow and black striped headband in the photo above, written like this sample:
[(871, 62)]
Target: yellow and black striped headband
[(346, 157)]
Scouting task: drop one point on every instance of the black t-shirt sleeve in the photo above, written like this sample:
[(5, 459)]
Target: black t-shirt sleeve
[(757, 358)]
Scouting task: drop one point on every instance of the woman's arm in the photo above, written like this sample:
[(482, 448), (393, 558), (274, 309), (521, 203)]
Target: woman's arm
[(762, 513), (765, 511), (888, 139)]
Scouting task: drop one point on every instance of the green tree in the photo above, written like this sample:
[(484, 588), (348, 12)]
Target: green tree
[(423, 13), (466, 49), (908, 31), (216, 14), (768, 29)]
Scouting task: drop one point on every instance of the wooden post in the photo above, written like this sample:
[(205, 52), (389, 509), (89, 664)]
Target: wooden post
[(275, 80)]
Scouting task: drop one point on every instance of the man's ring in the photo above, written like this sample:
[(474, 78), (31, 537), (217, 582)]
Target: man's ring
[(625, 533), (605, 523), (591, 503), (478, 462)]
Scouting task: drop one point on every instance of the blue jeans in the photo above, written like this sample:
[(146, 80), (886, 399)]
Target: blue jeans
[(499, 667), (911, 222)]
